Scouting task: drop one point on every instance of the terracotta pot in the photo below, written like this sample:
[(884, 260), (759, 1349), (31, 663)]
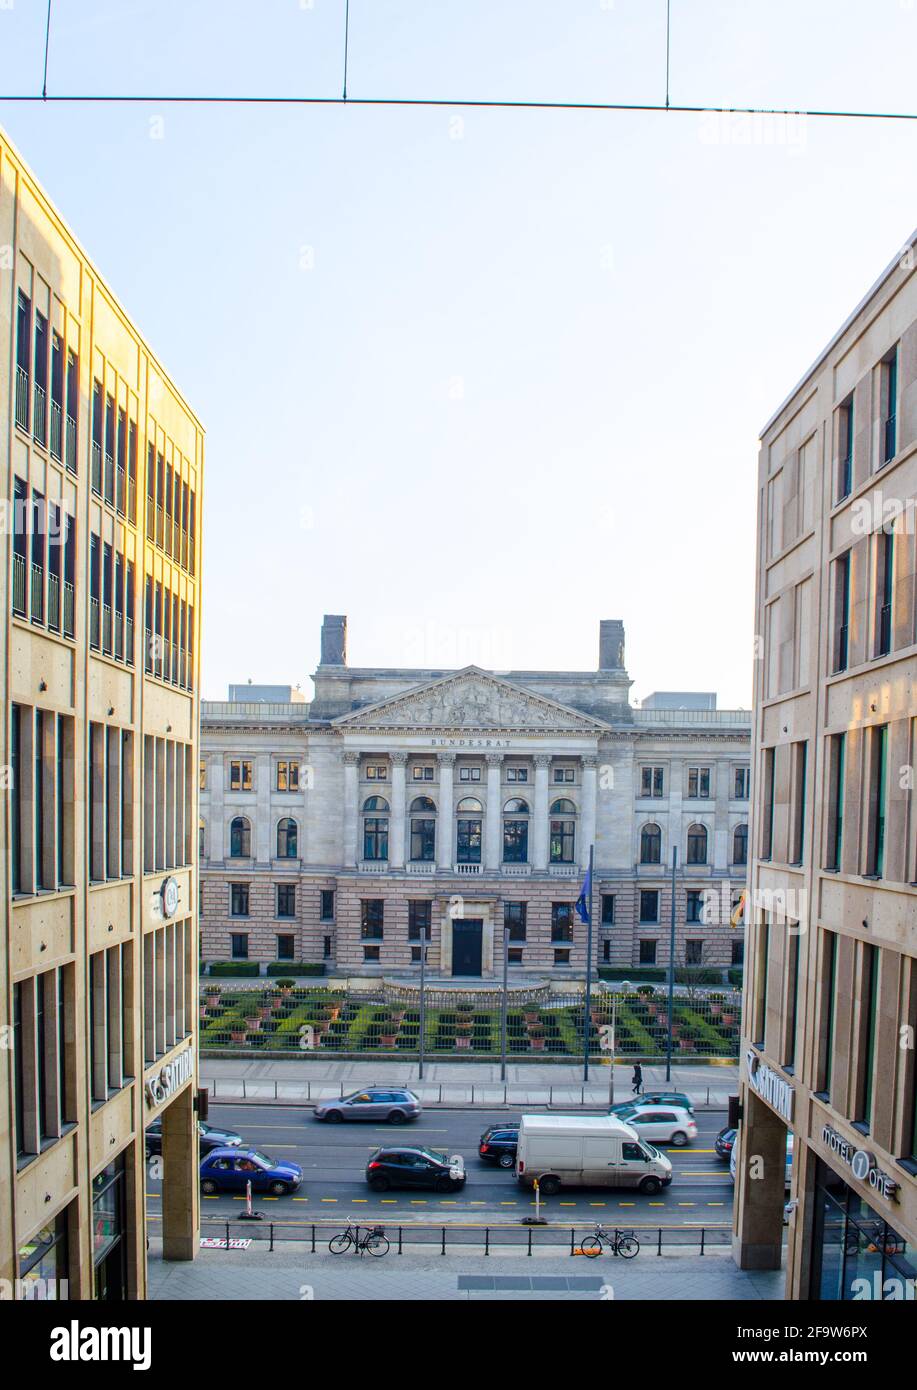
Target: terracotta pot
[(238, 1035), (537, 1044), (387, 1039), (464, 1041)]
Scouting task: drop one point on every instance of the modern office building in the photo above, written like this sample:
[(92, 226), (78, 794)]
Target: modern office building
[(101, 465), (831, 971), (349, 829)]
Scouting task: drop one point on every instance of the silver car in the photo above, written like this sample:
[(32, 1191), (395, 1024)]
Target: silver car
[(394, 1104)]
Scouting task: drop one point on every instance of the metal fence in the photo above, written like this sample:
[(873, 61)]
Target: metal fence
[(227, 1091), (279, 1020)]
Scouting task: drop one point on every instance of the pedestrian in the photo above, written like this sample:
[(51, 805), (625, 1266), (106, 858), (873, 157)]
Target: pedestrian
[(637, 1079)]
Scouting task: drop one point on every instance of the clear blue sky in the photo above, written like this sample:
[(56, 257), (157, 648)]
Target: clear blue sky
[(478, 392)]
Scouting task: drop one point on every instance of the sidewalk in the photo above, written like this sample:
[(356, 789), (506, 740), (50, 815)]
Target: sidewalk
[(298, 1080), (294, 1275)]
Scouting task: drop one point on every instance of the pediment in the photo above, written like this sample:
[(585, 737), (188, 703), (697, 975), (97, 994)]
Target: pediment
[(471, 699)]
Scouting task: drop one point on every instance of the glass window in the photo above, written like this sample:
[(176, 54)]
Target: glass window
[(286, 946), (649, 905), (286, 839), (327, 904), (697, 844), (240, 838), (514, 917), (561, 921), (375, 837), (468, 841), (650, 844), (240, 776), (286, 900), (238, 899), (647, 953), (371, 917), (239, 945), (608, 909), (563, 836), (699, 782), (423, 840), (419, 919)]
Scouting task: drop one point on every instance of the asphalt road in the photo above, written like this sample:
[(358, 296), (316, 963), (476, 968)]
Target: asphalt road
[(333, 1159)]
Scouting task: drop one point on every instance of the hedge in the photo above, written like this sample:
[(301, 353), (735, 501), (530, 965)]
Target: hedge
[(639, 972), (289, 967), (235, 967)]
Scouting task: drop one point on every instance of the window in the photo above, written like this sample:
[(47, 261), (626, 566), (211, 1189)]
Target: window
[(419, 920), (606, 952), (845, 449), (868, 993), (649, 905), (240, 776), (201, 839), (828, 1007), (562, 957), (608, 909), (375, 829), (239, 945), (238, 900), (286, 900), (327, 904), (514, 955), (800, 774), (469, 774), (840, 641), (23, 359), (738, 952), (647, 953), (564, 774), (885, 578), (422, 772), (561, 921), (41, 801), (514, 917), (43, 1058), (740, 845), (695, 909), (376, 773), (286, 838), (371, 918), (517, 774), (468, 836), (742, 784), (326, 947), (515, 831), (767, 819), (240, 838), (57, 396), (699, 783), (652, 781), (835, 820), (878, 751), (286, 947), (694, 952), (73, 397), (202, 775), (697, 844), (423, 838), (562, 832), (650, 844), (889, 405), (370, 954), (40, 409), (792, 998), (287, 776), (762, 965)]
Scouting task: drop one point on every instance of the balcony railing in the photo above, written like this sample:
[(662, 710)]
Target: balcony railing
[(159, 526), (517, 870), (71, 444), (132, 499), (420, 866), (119, 636), (106, 628), (563, 870), (184, 670), (19, 568), (174, 663), (109, 479), (129, 641), (373, 866), (57, 423), (119, 492), (38, 594), (148, 651), (94, 623), (150, 517), (469, 870), (166, 541), (40, 414), (95, 475), (22, 397), (54, 602), (68, 609)]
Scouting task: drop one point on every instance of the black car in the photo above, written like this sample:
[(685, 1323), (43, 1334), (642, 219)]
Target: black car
[(210, 1137), (723, 1143), (498, 1145), (427, 1168)]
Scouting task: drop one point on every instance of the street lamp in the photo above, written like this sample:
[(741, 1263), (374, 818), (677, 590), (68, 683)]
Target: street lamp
[(423, 1007), (625, 989), (504, 1010)]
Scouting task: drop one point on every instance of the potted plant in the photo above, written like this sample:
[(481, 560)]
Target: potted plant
[(238, 1030)]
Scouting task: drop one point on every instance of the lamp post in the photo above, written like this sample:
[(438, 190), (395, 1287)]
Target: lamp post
[(505, 1005), (668, 1051), (423, 1006), (587, 1021), (625, 989)]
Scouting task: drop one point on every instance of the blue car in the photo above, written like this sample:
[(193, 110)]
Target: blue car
[(229, 1170)]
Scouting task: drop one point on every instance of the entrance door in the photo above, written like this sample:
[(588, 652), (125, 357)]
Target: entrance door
[(467, 936)]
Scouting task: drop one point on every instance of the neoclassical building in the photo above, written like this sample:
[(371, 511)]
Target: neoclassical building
[(403, 805)]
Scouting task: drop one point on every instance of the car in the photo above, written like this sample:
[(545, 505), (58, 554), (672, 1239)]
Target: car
[(429, 1168), (661, 1124), (230, 1169), (498, 1145), (656, 1098), (209, 1137), (788, 1171), (723, 1143), (395, 1104)]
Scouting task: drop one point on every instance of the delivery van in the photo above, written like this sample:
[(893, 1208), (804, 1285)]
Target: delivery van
[(587, 1151)]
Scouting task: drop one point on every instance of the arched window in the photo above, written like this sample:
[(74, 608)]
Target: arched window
[(740, 845), (240, 839), (563, 831), (468, 831), (423, 830), (201, 839), (516, 831), (375, 828), (697, 844), (650, 844), (286, 838)]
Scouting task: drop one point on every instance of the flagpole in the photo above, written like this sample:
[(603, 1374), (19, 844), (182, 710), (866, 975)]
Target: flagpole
[(587, 1019)]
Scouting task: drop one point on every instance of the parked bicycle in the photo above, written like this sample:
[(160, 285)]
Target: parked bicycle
[(623, 1243), (372, 1239)]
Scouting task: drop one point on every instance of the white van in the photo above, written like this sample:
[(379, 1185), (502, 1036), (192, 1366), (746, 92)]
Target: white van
[(587, 1151)]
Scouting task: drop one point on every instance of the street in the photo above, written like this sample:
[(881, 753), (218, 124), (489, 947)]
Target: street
[(333, 1159)]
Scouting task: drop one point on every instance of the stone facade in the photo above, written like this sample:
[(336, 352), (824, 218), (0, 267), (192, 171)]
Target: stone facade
[(489, 791)]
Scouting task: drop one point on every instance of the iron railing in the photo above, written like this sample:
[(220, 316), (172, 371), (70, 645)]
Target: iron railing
[(109, 479), (94, 623), (129, 641), (56, 429), (38, 593), (68, 609), (19, 598), (96, 467), (53, 602), (40, 414), (106, 628), (119, 636), (119, 489), (132, 499), (22, 397), (71, 443)]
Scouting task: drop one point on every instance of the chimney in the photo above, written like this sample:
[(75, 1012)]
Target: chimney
[(611, 644), (334, 640)]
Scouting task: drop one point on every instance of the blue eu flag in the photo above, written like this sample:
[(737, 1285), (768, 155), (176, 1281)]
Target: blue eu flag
[(584, 899)]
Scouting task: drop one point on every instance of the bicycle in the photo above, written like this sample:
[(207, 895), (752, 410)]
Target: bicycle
[(623, 1243), (372, 1240)]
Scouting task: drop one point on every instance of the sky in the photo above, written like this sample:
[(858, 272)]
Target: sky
[(477, 378)]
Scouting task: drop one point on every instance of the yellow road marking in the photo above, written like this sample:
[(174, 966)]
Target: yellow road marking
[(300, 1199), (627, 1204), (328, 1199), (687, 1204), (362, 1200), (512, 1204), (390, 1201), (598, 1204), (566, 1204)]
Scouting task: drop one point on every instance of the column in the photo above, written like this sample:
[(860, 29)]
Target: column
[(757, 1231), (396, 823), (181, 1178), (214, 812), (349, 847), (540, 827), (445, 817), (493, 812), (587, 817), (263, 833)]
